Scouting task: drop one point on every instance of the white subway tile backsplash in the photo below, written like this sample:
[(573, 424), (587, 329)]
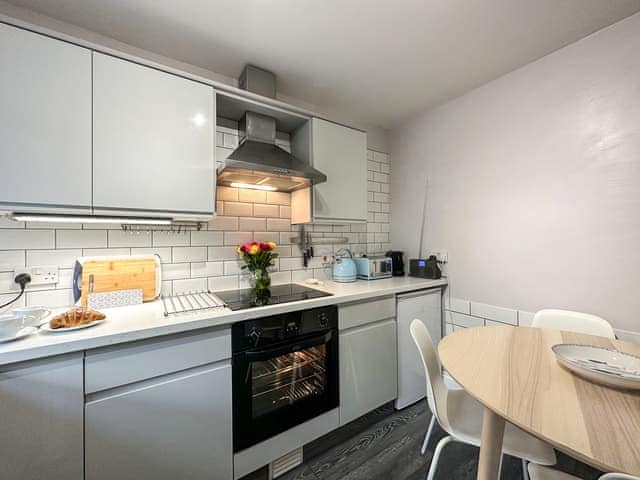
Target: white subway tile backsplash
[(163, 252), (278, 198), (7, 223), (252, 196), (251, 224), (263, 210), (170, 239), (381, 157), (223, 223), (229, 194), (464, 320), (189, 285), (285, 211), (237, 238), (4, 298), (120, 238), (12, 258), (80, 238), (219, 284), (51, 298), (18, 239), (278, 225), (175, 271), (61, 258), (222, 253), (458, 305), (491, 312), (198, 259), (189, 254), (232, 267), (206, 238), (207, 269), (105, 252), (238, 209)]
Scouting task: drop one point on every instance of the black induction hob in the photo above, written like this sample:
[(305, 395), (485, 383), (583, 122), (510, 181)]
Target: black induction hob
[(290, 292)]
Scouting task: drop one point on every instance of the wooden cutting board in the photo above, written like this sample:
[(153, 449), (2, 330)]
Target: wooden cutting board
[(122, 274)]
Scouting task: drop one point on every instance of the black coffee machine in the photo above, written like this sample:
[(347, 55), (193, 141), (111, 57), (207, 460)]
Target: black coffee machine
[(397, 257)]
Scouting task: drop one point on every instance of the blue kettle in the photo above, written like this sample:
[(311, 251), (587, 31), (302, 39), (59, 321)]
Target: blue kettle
[(344, 270)]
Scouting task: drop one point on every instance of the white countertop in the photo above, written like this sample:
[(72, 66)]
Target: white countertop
[(127, 324)]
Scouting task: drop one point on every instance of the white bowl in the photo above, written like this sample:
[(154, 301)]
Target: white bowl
[(600, 365), (37, 314), (10, 325)]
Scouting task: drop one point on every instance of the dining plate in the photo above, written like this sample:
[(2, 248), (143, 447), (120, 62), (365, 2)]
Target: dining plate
[(25, 332), (47, 328), (600, 365)]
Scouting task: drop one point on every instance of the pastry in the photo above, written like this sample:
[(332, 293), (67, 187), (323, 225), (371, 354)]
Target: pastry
[(74, 317)]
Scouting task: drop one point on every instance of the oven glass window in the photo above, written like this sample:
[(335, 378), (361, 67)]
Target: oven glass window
[(287, 379)]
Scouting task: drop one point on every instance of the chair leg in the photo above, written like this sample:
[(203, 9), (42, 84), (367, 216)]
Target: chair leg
[(436, 456), (427, 435), (525, 470)]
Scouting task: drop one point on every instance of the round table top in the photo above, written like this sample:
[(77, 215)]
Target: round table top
[(513, 372)]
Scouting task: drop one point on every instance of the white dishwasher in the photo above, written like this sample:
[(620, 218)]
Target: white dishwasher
[(425, 305)]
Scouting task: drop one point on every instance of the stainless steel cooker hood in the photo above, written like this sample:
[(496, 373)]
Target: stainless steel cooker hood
[(258, 162)]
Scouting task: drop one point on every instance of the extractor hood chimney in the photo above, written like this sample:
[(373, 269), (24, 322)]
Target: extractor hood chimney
[(258, 162)]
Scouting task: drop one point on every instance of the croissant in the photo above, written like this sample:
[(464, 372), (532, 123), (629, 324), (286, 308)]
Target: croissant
[(74, 317)]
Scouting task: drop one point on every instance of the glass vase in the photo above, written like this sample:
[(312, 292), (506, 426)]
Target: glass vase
[(261, 283)]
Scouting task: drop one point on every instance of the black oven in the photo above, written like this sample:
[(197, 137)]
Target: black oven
[(285, 372)]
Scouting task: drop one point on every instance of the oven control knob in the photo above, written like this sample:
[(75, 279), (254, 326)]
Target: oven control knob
[(255, 334), (323, 320)]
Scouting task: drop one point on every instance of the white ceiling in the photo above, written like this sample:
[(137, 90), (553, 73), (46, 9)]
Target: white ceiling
[(367, 61)]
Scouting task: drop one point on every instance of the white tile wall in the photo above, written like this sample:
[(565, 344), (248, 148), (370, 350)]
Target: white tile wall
[(197, 260)]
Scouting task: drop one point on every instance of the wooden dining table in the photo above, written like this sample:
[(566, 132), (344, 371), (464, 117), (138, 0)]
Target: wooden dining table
[(513, 372)]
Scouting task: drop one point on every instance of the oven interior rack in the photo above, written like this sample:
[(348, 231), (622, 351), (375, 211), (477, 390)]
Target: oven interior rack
[(191, 302)]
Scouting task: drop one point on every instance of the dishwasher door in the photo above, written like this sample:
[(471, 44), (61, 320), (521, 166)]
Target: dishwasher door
[(425, 305)]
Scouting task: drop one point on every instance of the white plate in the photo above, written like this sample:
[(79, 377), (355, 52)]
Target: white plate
[(47, 328), (600, 365), (25, 332)]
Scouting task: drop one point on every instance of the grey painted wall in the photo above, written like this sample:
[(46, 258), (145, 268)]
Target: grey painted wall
[(534, 182)]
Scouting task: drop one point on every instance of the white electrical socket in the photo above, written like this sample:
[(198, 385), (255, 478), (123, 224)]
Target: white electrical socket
[(441, 255), (46, 275)]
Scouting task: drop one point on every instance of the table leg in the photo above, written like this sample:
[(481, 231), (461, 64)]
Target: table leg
[(490, 445)]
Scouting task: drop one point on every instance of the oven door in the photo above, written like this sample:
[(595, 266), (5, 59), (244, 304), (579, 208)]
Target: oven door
[(282, 386)]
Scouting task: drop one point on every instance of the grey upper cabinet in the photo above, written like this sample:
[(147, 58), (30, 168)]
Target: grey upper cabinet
[(45, 123), (341, 154), (41, 419), (154, 141)]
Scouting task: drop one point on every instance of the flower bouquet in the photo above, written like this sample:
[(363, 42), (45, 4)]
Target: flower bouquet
[(258, 257)]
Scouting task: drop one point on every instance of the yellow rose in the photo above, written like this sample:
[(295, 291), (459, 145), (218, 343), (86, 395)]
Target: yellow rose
[(254, 249), (272, 245)]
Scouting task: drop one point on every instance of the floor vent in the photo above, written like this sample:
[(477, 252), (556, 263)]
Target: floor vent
[(285, 463)]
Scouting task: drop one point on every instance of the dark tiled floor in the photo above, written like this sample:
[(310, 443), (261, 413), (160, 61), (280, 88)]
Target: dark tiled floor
[(385, 445)]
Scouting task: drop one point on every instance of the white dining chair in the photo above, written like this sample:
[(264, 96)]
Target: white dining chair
[(451, 384), (460, 415), (538, 472), (573, 322)]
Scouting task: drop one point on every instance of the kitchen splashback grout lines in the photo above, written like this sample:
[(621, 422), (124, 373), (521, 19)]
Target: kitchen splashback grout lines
[(197, 259)]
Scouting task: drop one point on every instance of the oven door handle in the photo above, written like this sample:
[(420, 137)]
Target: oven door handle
[(259, 355)]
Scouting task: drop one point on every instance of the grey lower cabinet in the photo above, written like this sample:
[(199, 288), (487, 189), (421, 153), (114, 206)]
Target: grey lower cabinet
[(41, 414), (368, 368), (176, 426)]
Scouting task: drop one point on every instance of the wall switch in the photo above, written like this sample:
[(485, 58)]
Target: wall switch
[(46, 275)]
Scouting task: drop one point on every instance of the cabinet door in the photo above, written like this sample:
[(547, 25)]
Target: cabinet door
[(176, 426), (41, 414), (45, 123), (425, 306), (341, 154), (368, 368), (153, 140)]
